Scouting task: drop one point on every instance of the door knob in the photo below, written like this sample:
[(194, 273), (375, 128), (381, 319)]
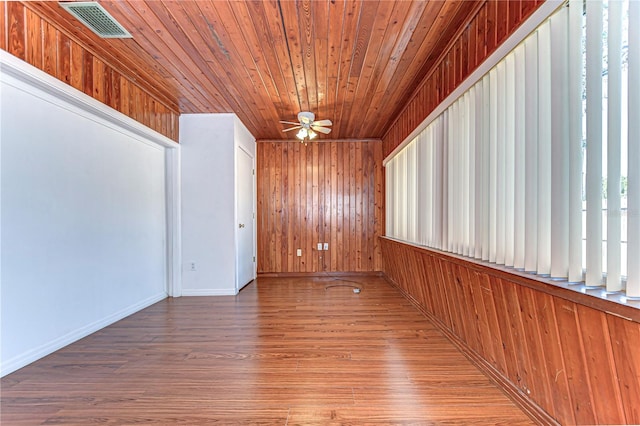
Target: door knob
[(241, 225)]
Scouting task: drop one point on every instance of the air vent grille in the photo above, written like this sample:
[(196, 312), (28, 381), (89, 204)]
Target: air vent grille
[(97, 19)]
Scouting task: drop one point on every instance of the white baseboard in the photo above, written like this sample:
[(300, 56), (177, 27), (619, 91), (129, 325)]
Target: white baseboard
[(26, 358), (209, 292)]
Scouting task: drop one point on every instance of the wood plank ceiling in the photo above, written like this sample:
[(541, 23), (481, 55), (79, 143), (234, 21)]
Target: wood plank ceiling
[(355, 62)]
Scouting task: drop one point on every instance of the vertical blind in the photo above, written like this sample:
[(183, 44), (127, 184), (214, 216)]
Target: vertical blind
[(537, 165)]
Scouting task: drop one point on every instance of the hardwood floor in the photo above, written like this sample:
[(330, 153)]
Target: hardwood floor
[(285, 351)]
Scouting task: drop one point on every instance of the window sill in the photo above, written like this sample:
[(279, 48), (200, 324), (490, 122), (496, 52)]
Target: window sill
[(597, 298)]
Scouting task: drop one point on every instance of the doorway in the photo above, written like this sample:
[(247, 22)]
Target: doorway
[(245, 231)]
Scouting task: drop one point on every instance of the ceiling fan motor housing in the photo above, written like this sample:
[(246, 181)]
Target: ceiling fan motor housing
[(306, 118)]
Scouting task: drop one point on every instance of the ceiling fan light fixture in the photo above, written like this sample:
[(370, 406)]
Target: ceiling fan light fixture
[(302, 133), (308, 128)]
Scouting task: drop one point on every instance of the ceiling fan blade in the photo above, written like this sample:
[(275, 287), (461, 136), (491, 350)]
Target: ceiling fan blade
[(290, 122), (292, 128), (320, 129), (322, 123)]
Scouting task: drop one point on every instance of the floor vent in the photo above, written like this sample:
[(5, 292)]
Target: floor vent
[(97, 19)]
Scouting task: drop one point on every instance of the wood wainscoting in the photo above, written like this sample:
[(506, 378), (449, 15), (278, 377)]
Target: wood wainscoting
[(562, 354), (28, 34), (323, 192)]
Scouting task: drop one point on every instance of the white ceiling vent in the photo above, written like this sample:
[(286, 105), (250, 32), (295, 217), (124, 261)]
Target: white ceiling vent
[(96, 18)]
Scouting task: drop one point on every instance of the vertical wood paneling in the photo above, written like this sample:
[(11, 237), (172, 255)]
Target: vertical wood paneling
[(116, 102), (108, 91), (332, 208), (528, 6), (346, 206), (325, 192), (464, 54), (366, 216), (515, 13), (539, 388), (34, 40), (125, 93), (553, 358), (576, 364), (455, 283), (511, 367), (301, 224), (318, 207), (492, 24), (502, 20), (483, 317), (284, 212), (473, 332), (350, 238), (291, 200), (481, 34), (146, 106), (63, 59), (277, 204), (489, 297), (599, 353), (16, 42), (3, 25), (98, 84), (435, 282), (339, 215), (471, 46), (315, 205), (50, 54), (625, 341), (517, 334), (578, 382), (357, 207), (377, 200), (493, 7), (30, 37)]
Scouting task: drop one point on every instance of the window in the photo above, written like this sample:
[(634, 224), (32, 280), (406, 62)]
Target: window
[(537, 165)]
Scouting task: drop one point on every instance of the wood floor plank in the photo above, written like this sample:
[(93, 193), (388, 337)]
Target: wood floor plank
[(285, 351)]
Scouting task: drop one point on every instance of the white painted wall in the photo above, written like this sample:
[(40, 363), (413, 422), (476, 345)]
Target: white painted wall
[(82, 219), (208, 143), (243, 138)]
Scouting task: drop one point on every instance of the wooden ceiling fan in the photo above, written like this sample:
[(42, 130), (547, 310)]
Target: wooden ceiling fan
[(307, 126)]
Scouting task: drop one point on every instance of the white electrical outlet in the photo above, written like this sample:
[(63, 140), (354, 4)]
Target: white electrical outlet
[(326, 246), (319, 246), (192, 266), (299, 252)]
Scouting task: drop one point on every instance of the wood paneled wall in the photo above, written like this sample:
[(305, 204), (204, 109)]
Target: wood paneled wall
[(489, 27), (322, 192), (34, 39), (572, 356)]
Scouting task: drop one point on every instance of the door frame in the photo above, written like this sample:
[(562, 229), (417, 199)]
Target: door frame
[(173, 194), (238, 286)]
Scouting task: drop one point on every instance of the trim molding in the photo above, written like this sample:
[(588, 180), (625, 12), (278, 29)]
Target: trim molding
[(13, 364), (85, 104), (42, 85), (318, 140), (173, 188), (319, 274), (209, 292), (532, 409)]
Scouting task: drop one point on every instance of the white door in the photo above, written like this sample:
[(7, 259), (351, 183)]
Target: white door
[(245, 261)]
